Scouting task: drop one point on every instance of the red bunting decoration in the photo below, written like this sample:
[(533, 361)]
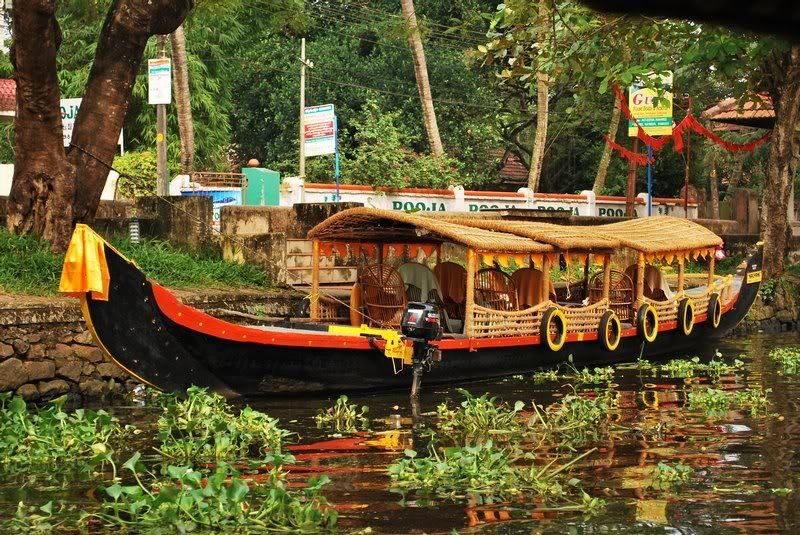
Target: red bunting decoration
[(688, 123), (325, 249), (633, 157)]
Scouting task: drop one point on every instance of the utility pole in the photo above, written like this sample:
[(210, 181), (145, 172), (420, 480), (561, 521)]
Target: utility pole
[(302, 107), (162, 187)]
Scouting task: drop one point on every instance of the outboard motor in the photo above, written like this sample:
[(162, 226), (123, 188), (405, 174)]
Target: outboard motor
[(422, 324)]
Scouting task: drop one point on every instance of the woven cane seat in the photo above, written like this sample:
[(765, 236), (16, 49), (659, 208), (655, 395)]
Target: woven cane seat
[(620, 293), (383, 295), (494, 289)]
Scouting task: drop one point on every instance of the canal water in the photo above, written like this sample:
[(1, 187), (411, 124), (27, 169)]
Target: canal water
[(745, 480)]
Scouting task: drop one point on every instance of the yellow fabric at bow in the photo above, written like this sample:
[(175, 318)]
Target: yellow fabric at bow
[(85, 268)]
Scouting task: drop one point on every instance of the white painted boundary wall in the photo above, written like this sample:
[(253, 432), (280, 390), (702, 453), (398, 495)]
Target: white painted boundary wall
[(455, 199)]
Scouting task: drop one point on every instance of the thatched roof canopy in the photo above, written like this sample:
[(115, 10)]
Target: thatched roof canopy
[(386, 226), (564, 237), (660, 234)]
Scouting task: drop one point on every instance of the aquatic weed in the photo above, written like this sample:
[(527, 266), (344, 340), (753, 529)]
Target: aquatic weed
[(478, 416), (343, 417), (35, 439), (544, 376), (715, 402), (188, 499), (479, 470), (668, 475), (203, 427), (788, 358)]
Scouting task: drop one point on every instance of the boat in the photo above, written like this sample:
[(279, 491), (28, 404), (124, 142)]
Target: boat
[(505, 322)]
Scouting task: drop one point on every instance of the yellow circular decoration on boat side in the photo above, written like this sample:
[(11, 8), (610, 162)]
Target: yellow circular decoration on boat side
[(554, 317)]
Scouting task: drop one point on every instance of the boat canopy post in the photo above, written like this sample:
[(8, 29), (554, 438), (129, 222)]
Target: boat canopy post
[(469, 311), (315, 280), (640, 279), (545, 278), (681, 274), (711, 263), (606, 276)]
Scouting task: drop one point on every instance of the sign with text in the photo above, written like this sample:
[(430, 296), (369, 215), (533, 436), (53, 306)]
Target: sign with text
[(159, 81), (652, 111), (319, 132), (69, 112)]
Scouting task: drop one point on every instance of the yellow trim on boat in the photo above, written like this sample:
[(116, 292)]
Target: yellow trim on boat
[(396, 347)]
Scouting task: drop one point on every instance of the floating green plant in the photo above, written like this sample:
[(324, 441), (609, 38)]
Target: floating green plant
[(668, 475), (34, 439), (715, 402), (343, 417), (203, 427), (221, 500), (544, 376), (478, 416), (788, 358)]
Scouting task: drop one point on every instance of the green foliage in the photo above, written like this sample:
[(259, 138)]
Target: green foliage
[(190, 500), (669, 475), (138, 174), (6, 141), (715, 402), (33, 441), (343, 417), (768, 290), (479, 416), (788, 358), (203, 427), (177, 268), (27, 265)]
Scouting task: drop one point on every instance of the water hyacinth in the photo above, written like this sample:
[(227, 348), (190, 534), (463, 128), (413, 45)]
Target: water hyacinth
[(203, 427), (788, 358), (476, 416), (222, 500), (343, 417), (34, 439)]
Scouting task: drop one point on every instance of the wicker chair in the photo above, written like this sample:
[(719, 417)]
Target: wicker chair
[(494, 289), (383, 295), (620, 293)]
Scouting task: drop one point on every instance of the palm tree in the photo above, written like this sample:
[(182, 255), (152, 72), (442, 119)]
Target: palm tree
[(421, 74), (183, 103)]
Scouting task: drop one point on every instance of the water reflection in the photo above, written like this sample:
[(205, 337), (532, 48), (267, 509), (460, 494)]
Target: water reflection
[(745, 466)]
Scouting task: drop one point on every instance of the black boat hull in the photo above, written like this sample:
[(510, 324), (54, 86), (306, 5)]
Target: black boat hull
[(140, 328)]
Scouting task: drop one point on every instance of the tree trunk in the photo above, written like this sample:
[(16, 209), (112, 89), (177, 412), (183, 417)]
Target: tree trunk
[(605, 159), (40, 201), (183, 104), (781, 167), (542, 108), (421, 74), (128, 26), (736, 176), (713, 184)]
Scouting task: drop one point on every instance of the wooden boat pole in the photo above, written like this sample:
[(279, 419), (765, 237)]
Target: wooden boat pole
[(711, 265), (315, 280), (681, 274), (606, 277), (640, 279), (469, 312), (545, 279)]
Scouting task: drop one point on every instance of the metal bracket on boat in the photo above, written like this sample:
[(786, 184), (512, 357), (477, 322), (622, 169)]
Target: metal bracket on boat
[(395, 347)]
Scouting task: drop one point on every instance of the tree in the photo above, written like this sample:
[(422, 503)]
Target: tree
[(44, 196), (183, 99), (421, 74), (605, 159)]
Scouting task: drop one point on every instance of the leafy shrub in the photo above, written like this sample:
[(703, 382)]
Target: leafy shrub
[(28, 265), (138, 174)]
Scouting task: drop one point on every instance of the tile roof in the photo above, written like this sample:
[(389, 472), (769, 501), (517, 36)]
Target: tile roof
[(8, 95), (755, 113)]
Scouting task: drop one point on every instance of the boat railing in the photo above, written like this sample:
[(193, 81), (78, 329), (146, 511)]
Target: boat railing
[(667, 311), (491, 323), (584, 319)]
